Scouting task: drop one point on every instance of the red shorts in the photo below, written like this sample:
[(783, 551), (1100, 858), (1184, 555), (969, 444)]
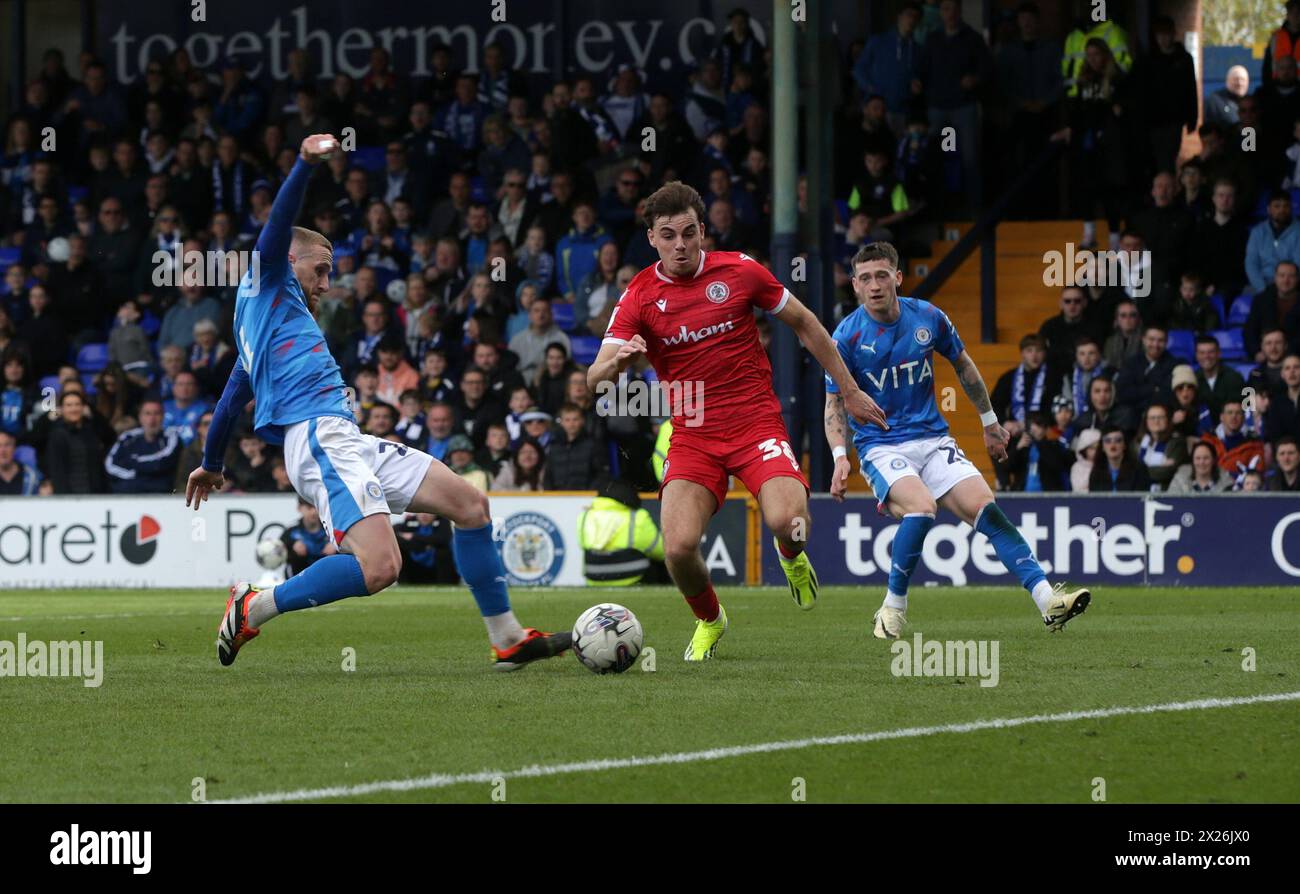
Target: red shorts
[(755, 454)]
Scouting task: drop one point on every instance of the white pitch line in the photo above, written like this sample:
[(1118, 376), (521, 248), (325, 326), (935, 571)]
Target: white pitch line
[(443, 780)]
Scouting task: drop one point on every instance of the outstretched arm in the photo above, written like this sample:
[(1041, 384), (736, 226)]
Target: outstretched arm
[(995, 436), (820, 344), (208, 477), (277, 235)]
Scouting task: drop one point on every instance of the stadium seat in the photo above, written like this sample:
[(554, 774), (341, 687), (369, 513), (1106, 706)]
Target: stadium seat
[(1232, 343), (1182, 344), (92, 357), (76, 194), (26, 455), (8, 257), (150, 324), (1216, 301), (1240, 310), (585, 348), (1244, 368), (88, 381), (369, 158), (478, 189), (51, 382), (562, 312)]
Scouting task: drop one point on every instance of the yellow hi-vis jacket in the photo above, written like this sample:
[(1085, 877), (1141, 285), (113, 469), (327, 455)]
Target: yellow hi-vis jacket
[(617, 543), (1073, 61), (661, 449)]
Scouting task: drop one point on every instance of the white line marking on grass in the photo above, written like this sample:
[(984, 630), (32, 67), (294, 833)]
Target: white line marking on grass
[(443, 780)]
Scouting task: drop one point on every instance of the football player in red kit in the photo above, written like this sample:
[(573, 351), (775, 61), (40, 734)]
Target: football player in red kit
[(692, 316)]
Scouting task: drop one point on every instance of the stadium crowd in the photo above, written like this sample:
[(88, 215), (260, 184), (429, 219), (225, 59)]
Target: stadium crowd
[(485, 227)]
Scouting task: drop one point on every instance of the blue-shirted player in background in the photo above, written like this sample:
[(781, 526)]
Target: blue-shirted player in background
[(888, 344), (356, 481)]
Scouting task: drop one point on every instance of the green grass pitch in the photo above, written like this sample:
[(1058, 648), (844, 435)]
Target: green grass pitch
[(423, 700)]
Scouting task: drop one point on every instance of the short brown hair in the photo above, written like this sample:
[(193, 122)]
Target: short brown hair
[(672, 198), (875, 251), (305, 237)]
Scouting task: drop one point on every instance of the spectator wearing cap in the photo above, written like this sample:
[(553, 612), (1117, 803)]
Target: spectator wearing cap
[(395, 374), (1115, 470), (143, 460), (535, 423), (1146, 377), (1027, 388), (887, 65), (241, 105), (1202, 475), (1216, 382), (1284, 478), (460, 459), (1272, 241), (179, 322), (1277, 307), (1086, 446), (575, 461), (1189, 416)]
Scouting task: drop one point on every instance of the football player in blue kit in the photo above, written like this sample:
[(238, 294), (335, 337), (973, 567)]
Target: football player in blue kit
[(888, 344), (355, 480)]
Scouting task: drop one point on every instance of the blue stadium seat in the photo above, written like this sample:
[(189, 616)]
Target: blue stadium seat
[(478, 189), (8, 257), (562, 311), (1232, 343), (585, 348), (1216, 301), (49, 382), (1244, 368), (1182, 344), (26, 455), (369, 158), (88, 380), (150, 324), (76, 194), (1240, 309), (92, 357)]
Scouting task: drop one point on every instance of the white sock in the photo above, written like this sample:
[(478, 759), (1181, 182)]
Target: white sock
[(1089, 231), (893, 600), (262, 608), (504, 630), (1042, 594)]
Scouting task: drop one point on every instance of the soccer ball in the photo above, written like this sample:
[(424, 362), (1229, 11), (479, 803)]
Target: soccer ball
[(271, 554), (607, 638)]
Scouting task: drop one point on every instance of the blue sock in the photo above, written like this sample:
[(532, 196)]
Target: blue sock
[(324, 581), (1011, 547), (906, 550), (479, 564)]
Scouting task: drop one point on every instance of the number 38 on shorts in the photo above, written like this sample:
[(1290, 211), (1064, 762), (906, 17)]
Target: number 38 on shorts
[(773, 448)]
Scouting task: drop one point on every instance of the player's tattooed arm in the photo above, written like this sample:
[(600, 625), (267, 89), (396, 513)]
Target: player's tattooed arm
[(972, 383), (837, 424)]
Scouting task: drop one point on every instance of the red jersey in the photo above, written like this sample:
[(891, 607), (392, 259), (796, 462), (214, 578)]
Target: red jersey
[(700, 334)]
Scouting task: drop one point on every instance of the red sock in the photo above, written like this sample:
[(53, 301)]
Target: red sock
[(704, 604), (788, 552)]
